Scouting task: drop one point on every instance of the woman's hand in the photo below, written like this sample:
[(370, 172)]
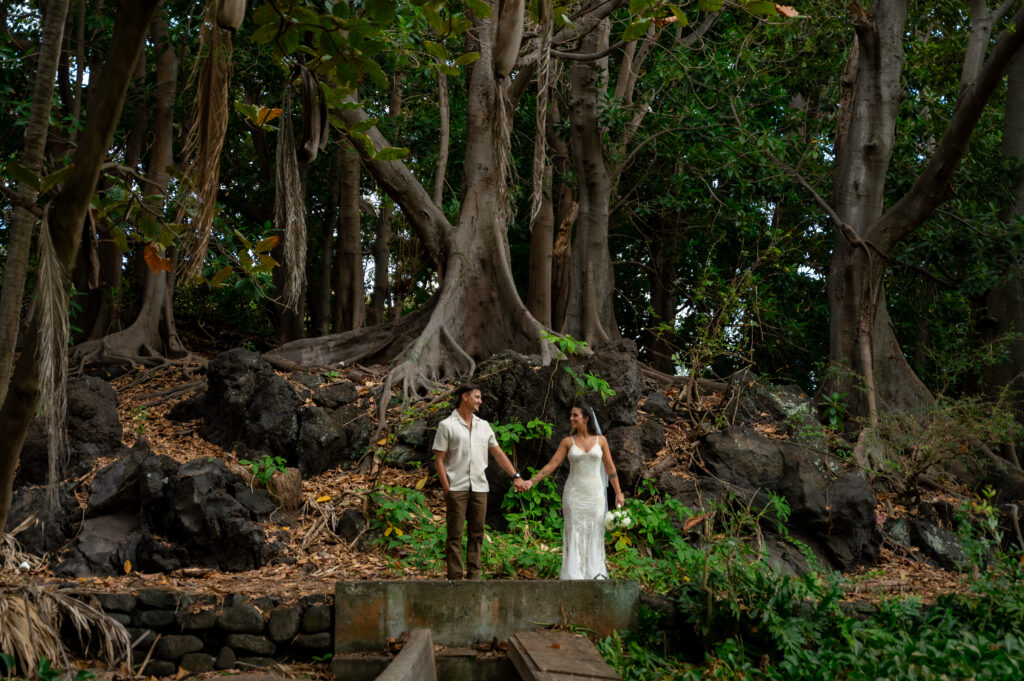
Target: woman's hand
[(620, 500)]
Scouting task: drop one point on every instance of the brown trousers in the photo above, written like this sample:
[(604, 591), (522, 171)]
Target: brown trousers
[(463, 506)]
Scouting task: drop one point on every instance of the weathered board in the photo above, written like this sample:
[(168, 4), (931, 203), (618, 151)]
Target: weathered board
[(557, 656)]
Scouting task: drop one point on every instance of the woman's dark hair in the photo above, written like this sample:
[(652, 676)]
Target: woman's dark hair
[(463, 389), (588, 413)]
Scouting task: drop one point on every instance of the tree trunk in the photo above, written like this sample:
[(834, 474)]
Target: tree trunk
[(873, 370), (320, 324), (591, 315), (23, 224), (152, 336), (349, 301), (664, 302), (477, 310), (66, 216), (380, 308)]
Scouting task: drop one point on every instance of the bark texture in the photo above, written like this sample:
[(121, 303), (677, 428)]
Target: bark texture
[(874, 372), (66, 217), (23, 224)]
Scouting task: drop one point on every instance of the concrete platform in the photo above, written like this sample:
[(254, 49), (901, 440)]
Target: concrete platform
[(368, 614)]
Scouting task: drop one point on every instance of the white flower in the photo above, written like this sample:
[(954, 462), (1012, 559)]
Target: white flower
[(617, 519)]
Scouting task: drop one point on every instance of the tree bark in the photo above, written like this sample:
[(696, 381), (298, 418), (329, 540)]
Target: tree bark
[(349, 300), (320, 324), (591, 315), (873, 370), (477, 310), (380, 308), (23, 224), (66, 216), (152, 336)]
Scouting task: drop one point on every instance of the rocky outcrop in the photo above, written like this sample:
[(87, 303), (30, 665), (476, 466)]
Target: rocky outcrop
[(831, 508), (157, 515), (313, 424), (93, 427)]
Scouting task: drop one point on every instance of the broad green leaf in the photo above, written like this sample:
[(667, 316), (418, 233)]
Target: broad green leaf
[(677, 12), (22, 175), (218, 279), (364, 142), (435, 50), (245, 242), (636, 29), (363, 125), (467, 58), (55, 178), (250, 111), (391, 154), (766, 9), (637, 7), (479, 8), (710, 5)]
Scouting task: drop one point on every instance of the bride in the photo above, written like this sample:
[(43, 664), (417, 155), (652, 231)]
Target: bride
[(583, 501)]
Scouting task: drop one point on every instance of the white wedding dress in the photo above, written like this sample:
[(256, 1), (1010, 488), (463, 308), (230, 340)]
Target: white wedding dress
[(584, 504)]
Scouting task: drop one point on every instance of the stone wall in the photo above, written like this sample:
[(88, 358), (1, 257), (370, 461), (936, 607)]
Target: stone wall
[(205, 633)]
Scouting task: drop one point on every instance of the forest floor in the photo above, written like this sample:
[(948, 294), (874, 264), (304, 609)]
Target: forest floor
[(322, 558)]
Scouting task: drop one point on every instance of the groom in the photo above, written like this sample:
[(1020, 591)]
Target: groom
[(460, 456)]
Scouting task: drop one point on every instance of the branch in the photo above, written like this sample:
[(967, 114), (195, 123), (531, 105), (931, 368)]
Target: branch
[(932, 186), (593, 56), (22, 201), (395, 178)]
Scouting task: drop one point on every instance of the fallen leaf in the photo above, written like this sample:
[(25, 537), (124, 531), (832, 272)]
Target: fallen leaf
[(786, 10), (322, 499), (383, 441), (127, 567), (692, 522)]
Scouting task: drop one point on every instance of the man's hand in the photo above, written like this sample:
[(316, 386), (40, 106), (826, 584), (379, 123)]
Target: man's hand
[(520, 485)]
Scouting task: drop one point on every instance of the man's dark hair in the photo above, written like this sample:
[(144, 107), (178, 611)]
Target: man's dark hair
[(462, 390)]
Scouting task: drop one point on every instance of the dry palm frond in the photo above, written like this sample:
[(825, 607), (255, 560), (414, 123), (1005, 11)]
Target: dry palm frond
[(289, 207), (52, 356), (201, 153), (12, 557), (31, 619)]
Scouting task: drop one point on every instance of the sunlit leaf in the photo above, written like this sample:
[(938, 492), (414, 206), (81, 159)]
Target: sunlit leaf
[(422, 482), (266, 245), (155, 261)]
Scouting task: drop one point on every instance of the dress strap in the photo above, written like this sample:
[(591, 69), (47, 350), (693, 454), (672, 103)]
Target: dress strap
[(572, 441)]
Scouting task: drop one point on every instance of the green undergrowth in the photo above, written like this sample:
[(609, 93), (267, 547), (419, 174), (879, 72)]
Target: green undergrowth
[(737, 616)]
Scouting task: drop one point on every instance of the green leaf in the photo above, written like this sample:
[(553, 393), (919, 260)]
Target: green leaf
[(479, 8), (22, 175), (250, 111), (677, 12), (766, 9), (467, 58), (266, 244), (636, 29), (55, 178), (435, 50), (363, 125), (218, 279), (710, 5), (391, 154), (364, 142)]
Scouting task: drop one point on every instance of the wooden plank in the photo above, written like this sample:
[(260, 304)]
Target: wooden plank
[(557, 656)]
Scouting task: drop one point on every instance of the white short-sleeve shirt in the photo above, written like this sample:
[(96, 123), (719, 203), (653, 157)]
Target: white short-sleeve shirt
[(466, 462)]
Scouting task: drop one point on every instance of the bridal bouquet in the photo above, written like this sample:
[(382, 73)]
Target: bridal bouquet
[(617, 519)]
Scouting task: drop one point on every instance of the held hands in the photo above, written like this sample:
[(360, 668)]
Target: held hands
[(520, 485)]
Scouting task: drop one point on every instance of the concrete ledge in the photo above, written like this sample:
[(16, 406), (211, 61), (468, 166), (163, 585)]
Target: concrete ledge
[(368, 614), (415, 662)]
